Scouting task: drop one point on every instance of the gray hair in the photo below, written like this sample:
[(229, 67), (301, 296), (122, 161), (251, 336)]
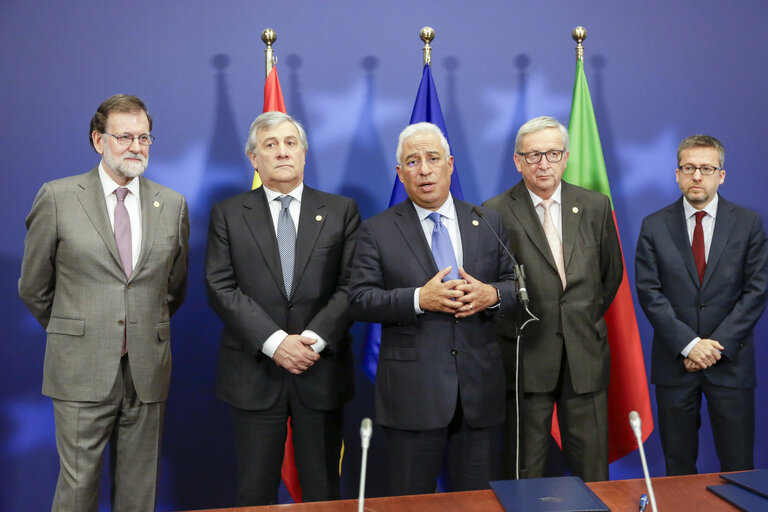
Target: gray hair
[(413, 129), (269, 120), (702, 141), (538, 124)]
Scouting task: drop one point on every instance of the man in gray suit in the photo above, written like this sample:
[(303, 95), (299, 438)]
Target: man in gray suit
[(104, 268), (566, 238)]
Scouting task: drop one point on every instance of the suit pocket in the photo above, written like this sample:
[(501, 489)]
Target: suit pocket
[(399, 353), (165, 239), (601, 328), (68, 326), (163, 331)]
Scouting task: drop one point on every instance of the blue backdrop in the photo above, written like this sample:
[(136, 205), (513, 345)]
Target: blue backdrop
[(657, 70)]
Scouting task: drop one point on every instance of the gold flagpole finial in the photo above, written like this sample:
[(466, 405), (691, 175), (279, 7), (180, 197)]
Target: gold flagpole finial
[(579, 34), (427, 35), (269, 37)]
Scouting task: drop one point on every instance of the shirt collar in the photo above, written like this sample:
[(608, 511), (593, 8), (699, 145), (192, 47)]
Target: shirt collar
[(711, 208), (556, 196), (274, 194), (109, 185), (447, 209)]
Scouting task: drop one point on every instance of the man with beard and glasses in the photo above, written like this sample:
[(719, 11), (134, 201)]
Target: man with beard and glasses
[(700, 272), (104, 268)]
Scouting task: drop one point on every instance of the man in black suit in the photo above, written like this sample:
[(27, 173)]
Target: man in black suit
[(420, 269), (277, 275), (566, 238), (700, 271)]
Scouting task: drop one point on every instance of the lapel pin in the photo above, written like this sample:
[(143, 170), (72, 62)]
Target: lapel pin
[(156, 204), (575, 209), (475, 223), (319, 218)]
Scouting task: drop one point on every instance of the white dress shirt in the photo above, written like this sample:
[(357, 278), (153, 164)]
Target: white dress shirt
[(132, 204), (276, 338), (451, 222), (708, 226), (555, 209)]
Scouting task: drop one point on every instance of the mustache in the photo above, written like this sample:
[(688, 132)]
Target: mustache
[(137, 156)]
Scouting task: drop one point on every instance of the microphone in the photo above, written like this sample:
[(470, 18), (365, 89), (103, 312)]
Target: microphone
[(522, 291), (634, 422), (366, 431)]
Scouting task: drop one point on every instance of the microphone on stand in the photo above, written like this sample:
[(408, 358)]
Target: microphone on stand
[(522, 291), (634, 422), (366, 431)]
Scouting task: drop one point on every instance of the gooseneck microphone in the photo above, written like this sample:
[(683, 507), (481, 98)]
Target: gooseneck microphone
[(366, 431), (522, 294), (634, 422), (522, 291)]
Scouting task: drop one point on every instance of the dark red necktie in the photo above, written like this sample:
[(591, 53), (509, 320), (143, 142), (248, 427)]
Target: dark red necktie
[(698, 246)]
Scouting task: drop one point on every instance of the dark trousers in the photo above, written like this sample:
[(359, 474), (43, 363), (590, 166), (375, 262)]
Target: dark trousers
[(583, 422), (731, 414), (416, 457), (133, 431), (260, 444)]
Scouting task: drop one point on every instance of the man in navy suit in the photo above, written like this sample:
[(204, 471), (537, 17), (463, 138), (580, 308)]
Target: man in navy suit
[(277, 271), (700, 272), (430, 270)]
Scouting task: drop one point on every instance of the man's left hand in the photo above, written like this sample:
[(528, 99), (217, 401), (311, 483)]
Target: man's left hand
[(477, 295)]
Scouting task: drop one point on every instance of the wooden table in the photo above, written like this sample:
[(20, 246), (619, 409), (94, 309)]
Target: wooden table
[(673, 494)]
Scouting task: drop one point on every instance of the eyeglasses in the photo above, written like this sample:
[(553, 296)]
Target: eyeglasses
[(534, 157), (127, 140), (706, 170)]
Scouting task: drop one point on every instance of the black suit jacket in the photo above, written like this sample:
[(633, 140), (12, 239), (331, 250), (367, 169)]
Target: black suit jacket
[(725, 307), (426, 359), (572, 317), (245, 288)]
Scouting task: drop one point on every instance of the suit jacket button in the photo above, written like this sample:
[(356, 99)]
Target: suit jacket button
[(128, 285), (702, 307), (454, 351), (121, 322), (290, 305), (563, 302)]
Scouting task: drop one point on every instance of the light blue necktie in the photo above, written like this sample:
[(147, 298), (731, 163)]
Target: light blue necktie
[(442, 248), (286, 242)]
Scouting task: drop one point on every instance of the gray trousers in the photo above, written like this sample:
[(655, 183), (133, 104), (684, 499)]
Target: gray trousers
[(133, 430)]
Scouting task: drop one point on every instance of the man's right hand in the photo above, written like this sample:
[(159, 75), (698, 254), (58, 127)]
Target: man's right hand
[(436, 295), (295, 354), (705, 353)]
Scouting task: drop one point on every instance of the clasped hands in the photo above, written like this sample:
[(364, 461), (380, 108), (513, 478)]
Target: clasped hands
[(460, 297), (295, 353), (704, 354)]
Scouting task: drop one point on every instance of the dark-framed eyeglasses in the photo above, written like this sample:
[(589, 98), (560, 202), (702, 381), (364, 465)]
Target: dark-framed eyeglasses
[(126, 139), (534, 157), (705, 170)]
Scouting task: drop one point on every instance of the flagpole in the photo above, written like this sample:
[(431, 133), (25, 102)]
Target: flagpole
[(579, 34), (269, 37), (427, 34)]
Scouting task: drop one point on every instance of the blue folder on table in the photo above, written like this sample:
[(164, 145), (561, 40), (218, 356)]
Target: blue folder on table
[(740, 497), (560, 494), (755, 481)]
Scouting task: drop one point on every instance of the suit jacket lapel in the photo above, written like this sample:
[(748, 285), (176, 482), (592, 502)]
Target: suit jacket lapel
[(469, 226), (407, 221), (91, 197), (571, 212), (151, 208), (312, 218), (522, 208), (259, 221), (723, 228), (676, 223)]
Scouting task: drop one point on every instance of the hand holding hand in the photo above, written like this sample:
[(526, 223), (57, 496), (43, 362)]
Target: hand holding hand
[(436, 295), (705, 353), (295, 354), (477, 295)]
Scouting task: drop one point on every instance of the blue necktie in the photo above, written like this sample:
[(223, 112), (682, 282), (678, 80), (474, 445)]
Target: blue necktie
[(442, 249), (286, 242)]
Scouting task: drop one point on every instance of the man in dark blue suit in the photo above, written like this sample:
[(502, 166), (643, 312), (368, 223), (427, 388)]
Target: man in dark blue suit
[(430, 270), (700, 271)]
